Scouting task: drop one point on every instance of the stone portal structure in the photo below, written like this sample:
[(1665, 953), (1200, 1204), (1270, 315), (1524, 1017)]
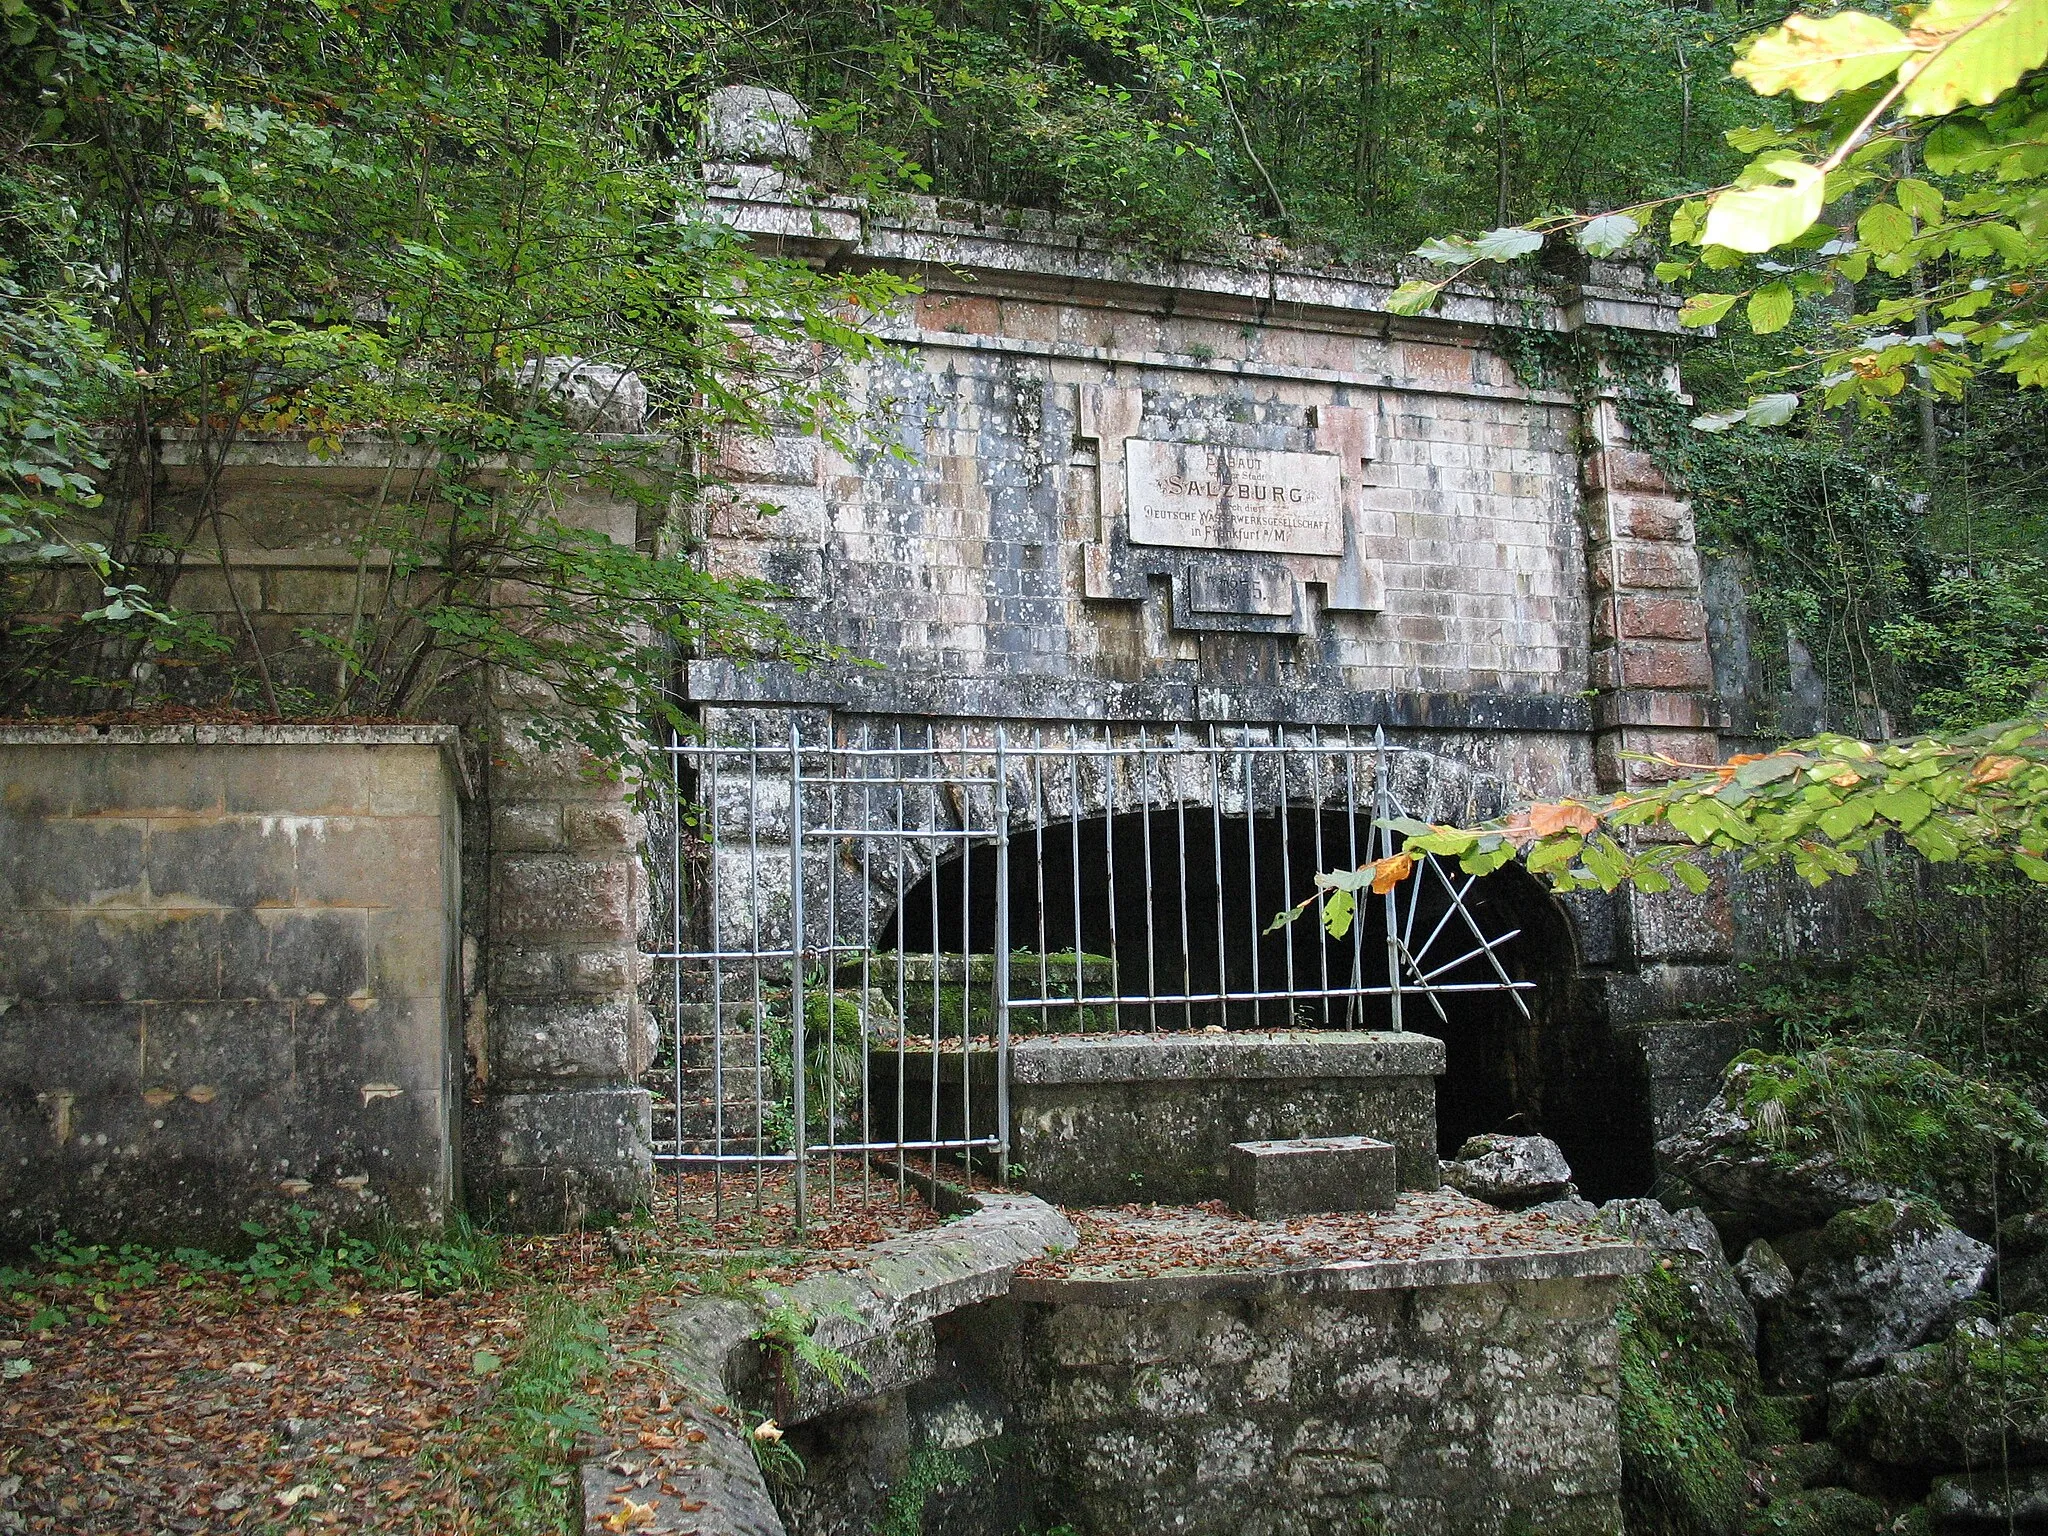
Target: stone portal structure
[(1131, 494)]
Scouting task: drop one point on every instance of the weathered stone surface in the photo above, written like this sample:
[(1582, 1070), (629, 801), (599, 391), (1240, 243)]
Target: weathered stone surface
[(1974, 1399), (554, 1157), (1472, 1408), (1510, 1171), (1722, 1154), (754, 125), (226, 979), (1172, 1105), (1996, 1500), (1876, 1282), (2023, 1263), (1766, 1278), (1688, 1241), (1308, 1174), (600, 397)]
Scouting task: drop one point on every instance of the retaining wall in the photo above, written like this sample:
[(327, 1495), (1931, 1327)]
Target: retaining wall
[(228, 978)]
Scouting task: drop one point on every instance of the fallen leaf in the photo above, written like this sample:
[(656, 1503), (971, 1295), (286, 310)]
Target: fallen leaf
[(631, 1516), (483, 1362), (657, 1442), (292, 1497)]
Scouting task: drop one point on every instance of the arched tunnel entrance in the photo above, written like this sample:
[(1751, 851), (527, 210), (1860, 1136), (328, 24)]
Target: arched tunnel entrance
[(1181, 901)]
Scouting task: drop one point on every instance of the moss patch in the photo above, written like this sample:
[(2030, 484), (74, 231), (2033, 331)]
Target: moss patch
[(1819, 1512), (1691, 1408), (1900, 1119)]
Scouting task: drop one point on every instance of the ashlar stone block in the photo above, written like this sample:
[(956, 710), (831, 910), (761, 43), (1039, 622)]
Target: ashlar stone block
[(1307, 1174)]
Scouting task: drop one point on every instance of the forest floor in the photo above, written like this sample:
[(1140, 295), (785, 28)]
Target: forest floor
[(315, 1387)]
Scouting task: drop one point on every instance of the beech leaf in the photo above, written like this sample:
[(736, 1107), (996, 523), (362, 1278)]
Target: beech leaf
[(1974, 51), (1758, 218), (1819, 57)]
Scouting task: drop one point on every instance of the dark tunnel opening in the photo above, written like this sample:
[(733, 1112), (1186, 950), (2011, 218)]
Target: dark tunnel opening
[(1183, 902)]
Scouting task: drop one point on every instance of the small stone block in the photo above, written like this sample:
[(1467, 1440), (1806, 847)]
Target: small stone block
[(1311, 1174)]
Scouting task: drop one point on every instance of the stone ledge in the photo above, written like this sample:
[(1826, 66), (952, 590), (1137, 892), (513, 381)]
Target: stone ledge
[(1048, 1062), (1344, 1276), (1433, 1238), (880, 1314), (202, 735)]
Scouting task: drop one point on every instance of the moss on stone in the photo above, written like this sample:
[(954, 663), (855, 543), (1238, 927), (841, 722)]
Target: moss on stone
[(1691, 1407), (1899, 1119), (1819, 1512)]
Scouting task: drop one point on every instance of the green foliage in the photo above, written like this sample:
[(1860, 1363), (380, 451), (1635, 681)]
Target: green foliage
[(1947, 962), (932, 1469), (548, 1394), (1937, 185), (788, 1332), (1898, 1118), (69, 1280), (366, 231), (1826, 806), (1819, 1512), (1356, 127), (1689, 1410)]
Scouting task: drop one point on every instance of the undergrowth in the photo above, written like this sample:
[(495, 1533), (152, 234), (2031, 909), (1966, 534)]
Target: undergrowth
[(1897, 1117), (549, 1394), (69, 1280)]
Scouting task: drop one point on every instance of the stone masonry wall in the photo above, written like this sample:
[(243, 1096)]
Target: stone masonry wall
[(564, 1124), (553, 1033), (1469, 1409), (228, 964)]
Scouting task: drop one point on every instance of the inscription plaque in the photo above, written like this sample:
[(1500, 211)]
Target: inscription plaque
[(1199, 496)]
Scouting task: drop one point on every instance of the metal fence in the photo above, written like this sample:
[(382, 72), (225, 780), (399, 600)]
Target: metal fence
[(842, 905)]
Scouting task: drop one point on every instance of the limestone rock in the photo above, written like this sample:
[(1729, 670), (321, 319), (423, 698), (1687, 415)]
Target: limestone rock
[(1819, 1512), (2023, 1263), (1974, 1399), (1879, 1281), (1736, 1163), (1766, 1278), (1511, 1171), (1791, 1141), (1990, 1501), (1689, 1243), (597, 397), (752, 125)]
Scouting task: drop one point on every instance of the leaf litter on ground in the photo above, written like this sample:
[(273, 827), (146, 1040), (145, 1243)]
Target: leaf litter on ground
[(175, 1398)]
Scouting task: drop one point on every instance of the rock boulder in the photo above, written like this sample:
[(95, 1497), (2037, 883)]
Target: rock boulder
[(1511, 1171), (1791, 1141), (1687, 1242), (1976, 1398), (1875, 1282)]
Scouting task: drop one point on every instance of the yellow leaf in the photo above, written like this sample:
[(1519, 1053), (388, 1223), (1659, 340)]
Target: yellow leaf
[(630, 1516), (1818, 57)]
